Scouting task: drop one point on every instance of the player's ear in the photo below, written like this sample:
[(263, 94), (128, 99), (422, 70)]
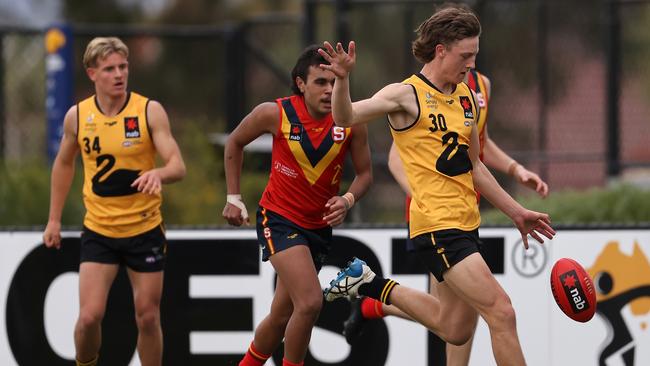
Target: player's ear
[(91, 72), (301, 84), (440, 49)]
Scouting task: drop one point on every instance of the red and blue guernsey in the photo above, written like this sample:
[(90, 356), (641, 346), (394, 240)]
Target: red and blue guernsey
[(307, 162)]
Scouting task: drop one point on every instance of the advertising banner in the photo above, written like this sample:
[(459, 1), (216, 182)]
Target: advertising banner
[(217, 290)]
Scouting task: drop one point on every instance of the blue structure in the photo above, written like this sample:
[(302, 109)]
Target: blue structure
[(59, 69)]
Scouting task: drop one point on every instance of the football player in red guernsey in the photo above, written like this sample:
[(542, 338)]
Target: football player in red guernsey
[(301, 202)]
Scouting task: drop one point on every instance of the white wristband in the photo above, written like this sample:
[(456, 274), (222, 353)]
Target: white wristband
[(235, 200), (349, 198)]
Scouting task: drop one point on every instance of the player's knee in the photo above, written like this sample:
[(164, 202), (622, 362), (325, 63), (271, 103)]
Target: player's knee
[(147, 318), (309, 306), (89, 318), (459, 335), (502, 314)]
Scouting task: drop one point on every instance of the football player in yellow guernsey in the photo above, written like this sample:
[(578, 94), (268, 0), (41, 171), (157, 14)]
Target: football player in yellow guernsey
[(118, 134), (491, 154), (433, 117)]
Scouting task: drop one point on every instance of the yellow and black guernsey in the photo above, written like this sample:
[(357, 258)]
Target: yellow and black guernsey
[(115, 151), (435, 152)]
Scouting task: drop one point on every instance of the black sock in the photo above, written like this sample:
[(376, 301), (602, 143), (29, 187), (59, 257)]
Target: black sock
[(378, 289)]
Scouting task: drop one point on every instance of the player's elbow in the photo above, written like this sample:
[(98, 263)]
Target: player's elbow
[(234, 144), (343, 119), (343, 122), (175, 170), (182, 170)]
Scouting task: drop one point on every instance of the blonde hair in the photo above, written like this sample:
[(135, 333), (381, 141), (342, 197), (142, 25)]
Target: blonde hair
[(451, 23), (101, 47)]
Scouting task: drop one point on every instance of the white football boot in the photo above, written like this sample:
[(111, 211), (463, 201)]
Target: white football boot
[(348, 281)]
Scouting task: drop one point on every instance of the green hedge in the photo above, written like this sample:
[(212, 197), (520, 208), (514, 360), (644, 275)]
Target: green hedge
[(196, 200), (25, 195), (199, 198), (620, 204)]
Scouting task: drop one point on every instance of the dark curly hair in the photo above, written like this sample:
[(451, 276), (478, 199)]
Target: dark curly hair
[(308, 57)]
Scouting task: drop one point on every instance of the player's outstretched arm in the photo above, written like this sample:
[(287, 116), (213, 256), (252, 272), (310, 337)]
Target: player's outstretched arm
[(62, 175), (262, 119), (535, 224), (345, 113), (528, 222)]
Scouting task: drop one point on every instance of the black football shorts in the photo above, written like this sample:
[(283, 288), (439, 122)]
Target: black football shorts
[(441, 250), (276, 233), (144, 252)]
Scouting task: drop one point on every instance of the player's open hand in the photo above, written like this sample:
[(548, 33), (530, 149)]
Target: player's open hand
[(534, 224), (340, 62), (52, 235), (149, 182), (335, 211), (531, 180)]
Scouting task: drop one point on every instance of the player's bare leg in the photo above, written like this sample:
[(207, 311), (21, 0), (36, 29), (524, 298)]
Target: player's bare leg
[(296, 265), (449, 317), (469, 286), (391, 310), (472, 281), (270, 331), (95, 280), (147, 292), (459, 355), (456, 355)]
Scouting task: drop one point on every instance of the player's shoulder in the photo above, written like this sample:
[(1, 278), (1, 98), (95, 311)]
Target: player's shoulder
[(397, 90), (72, 115), (266, 110), (155, 106)]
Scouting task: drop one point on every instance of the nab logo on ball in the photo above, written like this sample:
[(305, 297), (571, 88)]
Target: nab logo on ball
[(573, 290)]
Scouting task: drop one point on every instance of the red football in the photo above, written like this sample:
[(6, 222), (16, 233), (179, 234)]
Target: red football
[(573, 290)]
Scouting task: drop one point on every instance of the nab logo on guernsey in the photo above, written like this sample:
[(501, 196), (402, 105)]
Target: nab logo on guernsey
[(295, 133), (574, 291), (467, 107), (131, 127)]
